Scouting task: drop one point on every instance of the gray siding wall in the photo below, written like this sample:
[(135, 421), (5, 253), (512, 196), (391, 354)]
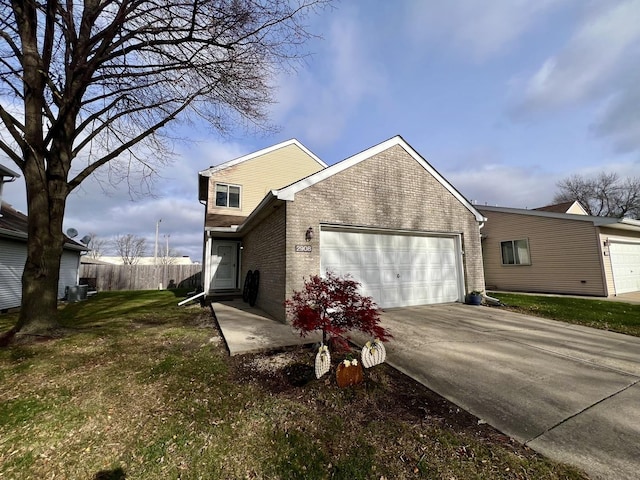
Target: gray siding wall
[(69, 266), (13, 255), (264, 250), (565, 255), (389, 190)]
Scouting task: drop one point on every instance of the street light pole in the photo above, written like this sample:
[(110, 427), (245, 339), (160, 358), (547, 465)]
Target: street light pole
[(155, 254), (166, 251)]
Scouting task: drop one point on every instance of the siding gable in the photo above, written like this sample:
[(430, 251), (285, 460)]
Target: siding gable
[(260, 175)]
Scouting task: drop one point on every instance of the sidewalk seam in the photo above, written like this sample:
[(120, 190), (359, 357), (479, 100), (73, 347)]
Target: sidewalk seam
[(581, 412)]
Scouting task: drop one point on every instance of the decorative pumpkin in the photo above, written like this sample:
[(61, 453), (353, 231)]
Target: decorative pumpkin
[(323, 361), (373, 353), (349, 373)]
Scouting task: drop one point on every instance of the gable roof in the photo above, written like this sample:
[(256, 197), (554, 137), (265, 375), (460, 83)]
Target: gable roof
[(611, 222), (13, 224), (288, 192), (216, 168), (203, 176), (563, 207)]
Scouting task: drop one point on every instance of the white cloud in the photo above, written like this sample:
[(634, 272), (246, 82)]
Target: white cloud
[(318, 104), (498, 184), (593, 61), (480, 30), (619, 118), (596, 70)]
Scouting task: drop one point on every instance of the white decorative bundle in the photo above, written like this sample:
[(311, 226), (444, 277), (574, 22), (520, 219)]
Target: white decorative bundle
[(373, 353), (323, 361)]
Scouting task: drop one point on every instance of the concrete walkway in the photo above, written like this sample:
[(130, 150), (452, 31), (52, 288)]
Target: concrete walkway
[(247, 329), (569, 392)]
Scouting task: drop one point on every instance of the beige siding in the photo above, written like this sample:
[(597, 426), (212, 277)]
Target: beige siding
[(576, 209), (264, 250), (260, 175), (621, 236), (565, 255), (389, 190)]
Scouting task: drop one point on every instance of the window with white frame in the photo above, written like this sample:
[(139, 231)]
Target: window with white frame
[(227, 195), (515, 252)]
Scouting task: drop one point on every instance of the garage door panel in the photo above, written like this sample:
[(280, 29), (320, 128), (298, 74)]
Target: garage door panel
[(396, 270), (405, 258), (625, 265)]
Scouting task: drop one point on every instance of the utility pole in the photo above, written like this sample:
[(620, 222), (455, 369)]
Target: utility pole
[(155, 254)]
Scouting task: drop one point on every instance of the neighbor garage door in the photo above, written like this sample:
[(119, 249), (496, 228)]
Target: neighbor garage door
[(625, 263), (395, 269)]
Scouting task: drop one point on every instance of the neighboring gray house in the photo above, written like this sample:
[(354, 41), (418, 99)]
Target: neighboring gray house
[(13, 253), (384, 216)]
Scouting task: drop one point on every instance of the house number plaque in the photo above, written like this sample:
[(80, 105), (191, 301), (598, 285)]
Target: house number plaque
[(303, 248)]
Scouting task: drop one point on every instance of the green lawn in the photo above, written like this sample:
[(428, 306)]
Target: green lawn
[(605, 315), (139, 388)]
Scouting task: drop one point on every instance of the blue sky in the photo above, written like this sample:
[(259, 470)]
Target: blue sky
[(504, 98)]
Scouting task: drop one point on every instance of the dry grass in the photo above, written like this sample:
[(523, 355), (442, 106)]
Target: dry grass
[(141, 389)]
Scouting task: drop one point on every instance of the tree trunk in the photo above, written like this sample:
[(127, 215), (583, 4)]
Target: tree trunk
[(46, 204)]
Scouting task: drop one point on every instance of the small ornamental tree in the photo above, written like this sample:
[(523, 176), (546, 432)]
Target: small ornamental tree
[(333, 305)]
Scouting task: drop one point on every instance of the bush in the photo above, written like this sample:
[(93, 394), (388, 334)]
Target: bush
[(333, 305)]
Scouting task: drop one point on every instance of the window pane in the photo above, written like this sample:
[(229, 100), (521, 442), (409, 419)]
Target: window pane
[(234, 197), (221, 195), (522, 252), (507, 253)]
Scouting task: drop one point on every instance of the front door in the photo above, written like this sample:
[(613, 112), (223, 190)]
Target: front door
[(224, 263)]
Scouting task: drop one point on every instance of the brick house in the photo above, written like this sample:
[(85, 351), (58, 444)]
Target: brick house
[(385, 216)]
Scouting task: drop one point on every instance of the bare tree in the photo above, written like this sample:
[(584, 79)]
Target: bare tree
[(167, 255), (95, 82), (605, 195), (97, 246), (130, 248)]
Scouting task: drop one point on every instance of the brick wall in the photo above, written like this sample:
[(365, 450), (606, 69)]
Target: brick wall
[(264, 249), (389, 190)]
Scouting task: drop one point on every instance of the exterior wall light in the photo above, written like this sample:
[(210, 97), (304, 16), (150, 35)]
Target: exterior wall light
[(308, 234)]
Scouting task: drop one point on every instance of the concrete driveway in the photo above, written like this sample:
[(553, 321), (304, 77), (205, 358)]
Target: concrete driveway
[(569, 392)]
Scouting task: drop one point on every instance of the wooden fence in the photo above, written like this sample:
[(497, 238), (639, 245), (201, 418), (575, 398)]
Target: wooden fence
[(140, 277)]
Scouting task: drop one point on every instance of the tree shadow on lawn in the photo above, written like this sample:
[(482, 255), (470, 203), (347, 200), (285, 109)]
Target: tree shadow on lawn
[(115, 474)]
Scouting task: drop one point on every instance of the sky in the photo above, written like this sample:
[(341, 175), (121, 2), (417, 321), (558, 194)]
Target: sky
[(503, 97)]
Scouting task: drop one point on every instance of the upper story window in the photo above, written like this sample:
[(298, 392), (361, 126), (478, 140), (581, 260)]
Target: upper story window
[(227, 195), (515, 252)]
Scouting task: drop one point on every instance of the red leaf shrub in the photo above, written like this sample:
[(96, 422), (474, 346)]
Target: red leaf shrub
[(333, 305)]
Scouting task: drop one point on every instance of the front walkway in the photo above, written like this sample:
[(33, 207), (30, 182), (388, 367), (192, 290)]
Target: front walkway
[(247, 329)]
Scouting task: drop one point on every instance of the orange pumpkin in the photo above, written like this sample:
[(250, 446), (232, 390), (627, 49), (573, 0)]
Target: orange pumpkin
[(349, 375)]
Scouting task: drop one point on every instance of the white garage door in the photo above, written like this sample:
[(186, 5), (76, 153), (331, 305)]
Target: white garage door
[(625, 263), (396, 270)]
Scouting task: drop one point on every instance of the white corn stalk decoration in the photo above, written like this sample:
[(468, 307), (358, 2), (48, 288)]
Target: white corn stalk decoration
[(323, 361), (373, 353)]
